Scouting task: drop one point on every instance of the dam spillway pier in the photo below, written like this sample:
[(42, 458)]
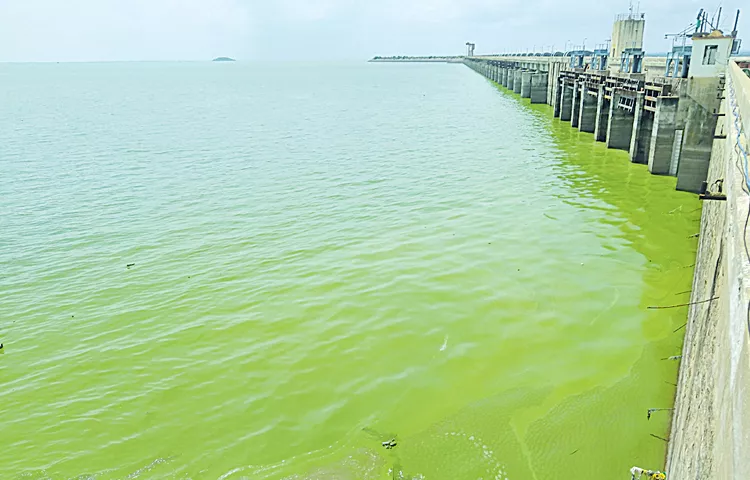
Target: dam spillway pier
[(693, 127), (677, 125), (664, 122), (685, 115)]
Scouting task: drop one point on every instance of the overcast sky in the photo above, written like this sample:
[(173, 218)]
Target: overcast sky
[(85, 30)]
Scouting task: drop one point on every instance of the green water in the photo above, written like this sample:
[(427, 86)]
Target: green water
[(326, 257)]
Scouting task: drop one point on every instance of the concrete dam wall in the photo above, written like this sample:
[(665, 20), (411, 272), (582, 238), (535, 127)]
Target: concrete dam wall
[(665, 123), (694, 129), (710, 436)]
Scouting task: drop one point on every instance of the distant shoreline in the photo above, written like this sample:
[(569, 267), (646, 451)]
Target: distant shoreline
[(417, 60)]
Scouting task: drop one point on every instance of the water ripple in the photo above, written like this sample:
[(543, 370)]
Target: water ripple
[(230, 272)]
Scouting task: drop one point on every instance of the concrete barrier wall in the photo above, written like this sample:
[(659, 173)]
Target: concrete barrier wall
[(710, 436)]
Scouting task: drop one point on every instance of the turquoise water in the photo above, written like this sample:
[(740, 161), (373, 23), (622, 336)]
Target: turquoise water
[(265, 271)]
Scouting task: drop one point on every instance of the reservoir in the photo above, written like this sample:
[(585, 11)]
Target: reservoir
[(266, 271)]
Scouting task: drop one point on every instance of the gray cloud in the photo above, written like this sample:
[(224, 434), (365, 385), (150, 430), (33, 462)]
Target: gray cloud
[(75, 30)]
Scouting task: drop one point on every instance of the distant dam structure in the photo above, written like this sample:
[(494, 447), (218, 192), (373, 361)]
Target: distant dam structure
[(685, 115)]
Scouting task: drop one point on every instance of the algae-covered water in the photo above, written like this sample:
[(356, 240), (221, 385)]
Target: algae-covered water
[(265, 271)]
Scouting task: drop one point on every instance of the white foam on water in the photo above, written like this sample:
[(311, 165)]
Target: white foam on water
[(495, 470)]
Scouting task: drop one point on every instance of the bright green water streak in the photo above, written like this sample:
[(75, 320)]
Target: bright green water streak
[(318, 250)]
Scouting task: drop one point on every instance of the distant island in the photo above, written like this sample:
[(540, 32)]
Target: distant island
[(224, 59)]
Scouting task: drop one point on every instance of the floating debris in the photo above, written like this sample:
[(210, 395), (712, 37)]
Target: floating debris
[(653, 410), (684, 304), (390, 444), (130, 265)]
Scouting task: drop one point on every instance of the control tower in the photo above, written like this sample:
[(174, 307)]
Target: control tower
[(627, 34)]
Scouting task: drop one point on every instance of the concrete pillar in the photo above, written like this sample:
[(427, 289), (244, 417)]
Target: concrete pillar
[(620, 128), (556, 104), (587, 112), (511, 78), (640, 140), (539, 88), (517, 81), (495, 73), (553, 80), (662, 135), (504, 77), (700, 128), (602, 116), (566, 102), (576, 105), (526, 84)]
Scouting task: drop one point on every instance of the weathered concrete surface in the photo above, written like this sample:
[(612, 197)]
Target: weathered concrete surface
[(692, 440), (702, 98), (643, 124), (620, 127), (710, 437), (539, 88), (602, 116), (587, 112), (663, 135), (517, 80), (526, 84), (566, 103), (576, 105), (553, 74)]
